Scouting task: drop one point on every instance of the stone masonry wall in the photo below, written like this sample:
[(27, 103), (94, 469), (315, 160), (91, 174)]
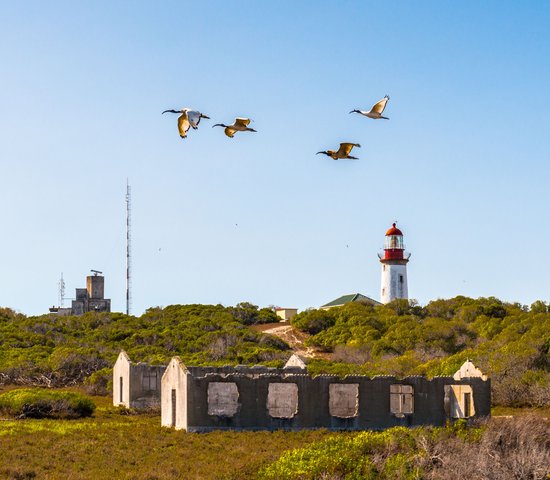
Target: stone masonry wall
[(264, 398)]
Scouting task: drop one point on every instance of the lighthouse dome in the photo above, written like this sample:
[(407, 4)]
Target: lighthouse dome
[(394, 231)]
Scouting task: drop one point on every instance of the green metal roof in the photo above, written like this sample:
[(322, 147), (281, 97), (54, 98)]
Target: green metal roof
[(352, 297)]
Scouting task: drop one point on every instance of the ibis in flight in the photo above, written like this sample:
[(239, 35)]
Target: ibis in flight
[(240, 125), (376, 111), (343, 153), (188, 118)]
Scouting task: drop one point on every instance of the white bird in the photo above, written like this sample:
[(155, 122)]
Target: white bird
[(376, 111), (240, 125), (342, 153), (188, 118)]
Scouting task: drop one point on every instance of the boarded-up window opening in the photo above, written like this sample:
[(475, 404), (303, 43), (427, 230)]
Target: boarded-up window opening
[(282, 400), (343, 400), (173, 407), (120, 386), (223, 399), (401, 400)]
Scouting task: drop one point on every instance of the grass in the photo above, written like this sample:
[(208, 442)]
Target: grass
[(112, 445), (517, 412)]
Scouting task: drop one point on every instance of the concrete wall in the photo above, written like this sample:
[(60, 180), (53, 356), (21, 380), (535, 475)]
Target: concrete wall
[(270, 399), (174, 387), (121, 378), (95, 285), (391, 286), (140, 382)]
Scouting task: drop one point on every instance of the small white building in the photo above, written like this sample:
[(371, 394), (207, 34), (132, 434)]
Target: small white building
[(286, 314), (136, 385), (295, 361)]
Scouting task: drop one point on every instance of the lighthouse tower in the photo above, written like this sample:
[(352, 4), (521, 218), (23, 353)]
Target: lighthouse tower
[(394, 267)]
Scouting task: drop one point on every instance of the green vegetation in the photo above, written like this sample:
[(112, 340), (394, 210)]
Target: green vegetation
[(516, 448), (56, 351), (113, 444), (42, 403), (509, 342)]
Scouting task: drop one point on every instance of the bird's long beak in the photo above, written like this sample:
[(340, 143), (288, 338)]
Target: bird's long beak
[(319, 153), (218, 125), (205, 116), (353, 111)]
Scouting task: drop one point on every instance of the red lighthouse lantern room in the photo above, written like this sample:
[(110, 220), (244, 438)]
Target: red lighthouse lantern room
[(394, 247)]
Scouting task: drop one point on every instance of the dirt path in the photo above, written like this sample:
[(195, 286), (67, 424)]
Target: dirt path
[(295, 338)]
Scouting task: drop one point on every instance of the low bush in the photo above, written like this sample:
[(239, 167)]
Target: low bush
[(43, 403), (503, 448), (100, 382)]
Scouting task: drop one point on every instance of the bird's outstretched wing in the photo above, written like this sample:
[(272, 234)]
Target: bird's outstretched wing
[(243, 122), (345, 148), (380, 106), (194, 118), (229, 132)]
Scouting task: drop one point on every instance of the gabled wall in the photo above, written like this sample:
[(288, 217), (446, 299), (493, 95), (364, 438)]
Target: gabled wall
[(174, 388), (121, 369), (140, 383)]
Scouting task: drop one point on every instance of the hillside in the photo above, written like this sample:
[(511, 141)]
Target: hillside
[(57, 351), (509, 342)]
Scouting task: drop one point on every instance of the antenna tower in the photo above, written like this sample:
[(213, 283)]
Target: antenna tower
[(128, 249), (61, 290)]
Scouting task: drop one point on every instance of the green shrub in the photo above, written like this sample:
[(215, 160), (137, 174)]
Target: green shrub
[(43, 403), (314, 321), (100, 382)]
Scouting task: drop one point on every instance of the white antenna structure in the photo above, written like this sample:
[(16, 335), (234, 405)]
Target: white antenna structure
[(128, 250), (61, 290)]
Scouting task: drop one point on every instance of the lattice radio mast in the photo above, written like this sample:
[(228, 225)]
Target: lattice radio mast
[(61, 290), (128, 250)]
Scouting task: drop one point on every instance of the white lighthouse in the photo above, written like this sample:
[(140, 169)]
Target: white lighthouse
[(394, 267)]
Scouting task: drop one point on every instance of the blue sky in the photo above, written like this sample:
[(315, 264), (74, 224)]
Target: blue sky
[(462, 164)]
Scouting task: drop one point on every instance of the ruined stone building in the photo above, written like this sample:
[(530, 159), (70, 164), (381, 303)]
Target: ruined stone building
[(136, 385), (201, 399)]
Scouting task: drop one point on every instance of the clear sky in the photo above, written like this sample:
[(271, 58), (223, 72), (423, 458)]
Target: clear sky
[(462, 164)]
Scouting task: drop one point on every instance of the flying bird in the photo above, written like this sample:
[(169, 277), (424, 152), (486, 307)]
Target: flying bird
[(240, 125), (376, 111), (342, 153), (188, 118)]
